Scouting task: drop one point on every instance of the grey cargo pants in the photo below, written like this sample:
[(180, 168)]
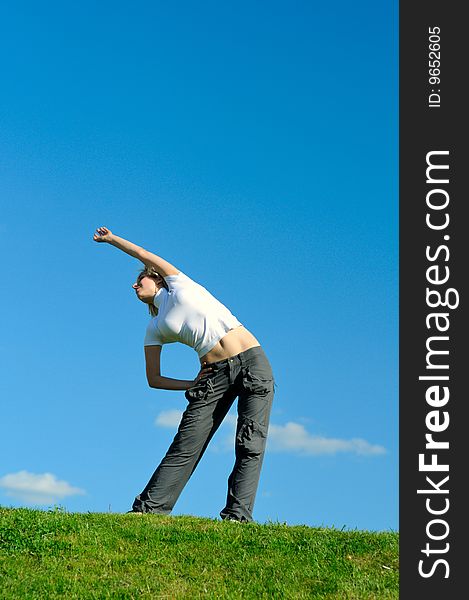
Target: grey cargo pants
[(248, 376)]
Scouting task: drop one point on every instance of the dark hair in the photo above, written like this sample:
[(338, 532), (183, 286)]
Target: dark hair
[(152, 273)]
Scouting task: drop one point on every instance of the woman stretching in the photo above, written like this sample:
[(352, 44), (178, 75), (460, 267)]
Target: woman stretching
[(233, 364)]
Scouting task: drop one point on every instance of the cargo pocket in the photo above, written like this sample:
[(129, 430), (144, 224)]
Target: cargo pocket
[(251, 438), (255, 384)]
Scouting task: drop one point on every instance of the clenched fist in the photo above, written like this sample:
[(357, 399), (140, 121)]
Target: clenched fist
[(102, 234)]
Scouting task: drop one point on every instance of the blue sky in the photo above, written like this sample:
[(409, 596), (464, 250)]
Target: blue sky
[(254, 146)]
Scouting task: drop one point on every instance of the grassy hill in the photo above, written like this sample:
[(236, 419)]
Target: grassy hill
[(55, 554)]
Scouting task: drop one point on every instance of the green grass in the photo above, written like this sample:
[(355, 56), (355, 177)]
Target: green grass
[(55, 554)]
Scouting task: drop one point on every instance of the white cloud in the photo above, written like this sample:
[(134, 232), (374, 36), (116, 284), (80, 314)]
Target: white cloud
[(168, 418), (33, 488), (291, 437)]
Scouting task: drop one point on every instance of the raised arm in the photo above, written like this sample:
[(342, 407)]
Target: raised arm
[(162, 266)]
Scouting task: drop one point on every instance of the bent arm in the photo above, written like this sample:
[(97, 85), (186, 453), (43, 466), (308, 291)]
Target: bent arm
[(156, 380), (154, 377), (168, 383)]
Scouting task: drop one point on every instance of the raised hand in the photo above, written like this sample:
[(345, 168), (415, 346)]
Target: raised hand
[(102, 234)]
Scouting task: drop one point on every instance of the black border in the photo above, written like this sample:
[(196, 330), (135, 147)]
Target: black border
[(423, 129)]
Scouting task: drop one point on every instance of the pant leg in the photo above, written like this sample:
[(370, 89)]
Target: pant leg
[(256, 391), (209, 402)]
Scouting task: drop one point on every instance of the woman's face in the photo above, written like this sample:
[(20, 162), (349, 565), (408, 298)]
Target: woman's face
[(145, 289)]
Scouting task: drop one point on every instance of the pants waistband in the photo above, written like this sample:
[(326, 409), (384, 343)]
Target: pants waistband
[(241, 357)]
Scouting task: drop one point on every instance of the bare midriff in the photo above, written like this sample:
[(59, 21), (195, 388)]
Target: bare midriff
[(235, 341)]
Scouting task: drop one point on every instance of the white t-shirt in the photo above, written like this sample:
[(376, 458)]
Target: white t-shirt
[(188, 313)]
